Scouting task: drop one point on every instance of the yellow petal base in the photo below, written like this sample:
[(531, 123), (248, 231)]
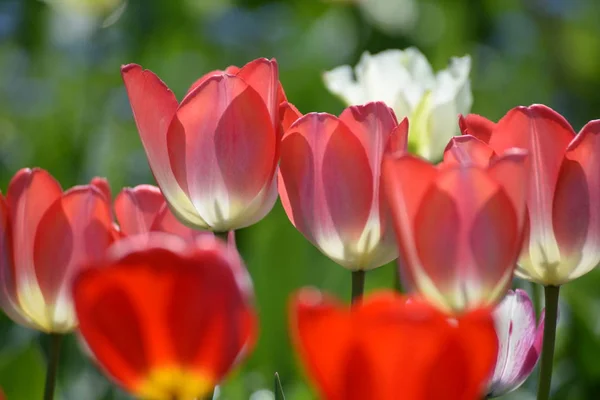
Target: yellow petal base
[(174, 383)]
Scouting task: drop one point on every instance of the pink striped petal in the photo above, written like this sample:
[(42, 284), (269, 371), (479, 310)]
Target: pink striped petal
[(154, 106), (136, 208), (467, 150), (576, 217), (75, 230), (477, 126), (545, 135), (222, 147)]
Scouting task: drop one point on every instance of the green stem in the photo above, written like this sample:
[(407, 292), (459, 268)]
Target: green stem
[(551, 300), (54, 355), (358, 285), (397, 281), (222, 235), (536, 297)]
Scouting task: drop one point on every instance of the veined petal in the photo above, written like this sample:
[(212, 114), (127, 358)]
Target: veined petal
[(171, 343), (222, 145), (576, 218), (545, 135), (154, 106), (136, 208), (477, 126), (75, 230)]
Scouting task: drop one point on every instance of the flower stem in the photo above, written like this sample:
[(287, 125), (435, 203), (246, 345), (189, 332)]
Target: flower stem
[(54, 355), (551, 300), (358, 285), (222, 235)]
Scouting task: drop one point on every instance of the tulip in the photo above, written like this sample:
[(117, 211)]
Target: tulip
[(563, 222), (329, 182), (405, 81), (459, 225), (46, 235), (143, 209), (215, 154), (167, 320), (387, 348), (520, 342)]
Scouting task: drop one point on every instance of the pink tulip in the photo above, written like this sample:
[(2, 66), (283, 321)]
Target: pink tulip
[(460, 224), (562, 240), (46, 235), (215, 154), (520, 342), (330, 182)]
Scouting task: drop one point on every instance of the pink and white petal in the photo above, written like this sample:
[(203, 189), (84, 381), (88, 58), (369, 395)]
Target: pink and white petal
[(545, 134), (467, 150), (75, 230), (515, 323), (154, 107), (31, 192), (576, 215), (137, 208), (477, 126), (222, 145)]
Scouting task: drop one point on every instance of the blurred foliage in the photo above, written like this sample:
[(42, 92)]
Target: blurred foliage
[(63, 107)]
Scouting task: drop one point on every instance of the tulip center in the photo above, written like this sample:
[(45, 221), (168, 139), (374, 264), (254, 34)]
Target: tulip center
[(174, 383)]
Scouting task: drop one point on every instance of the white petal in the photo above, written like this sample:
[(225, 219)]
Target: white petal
[(340, 81)]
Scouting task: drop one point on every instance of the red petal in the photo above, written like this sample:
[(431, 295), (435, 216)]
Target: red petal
[(136, 208), (466, 150), (398, 140), (576, 219), (288, 114), (222, 146), (263, 76), (477, 126), (75, 230), (196, 319), (511, 173), (231, 70), (545, 135), (406, 180), (102, 185), (165, 221)]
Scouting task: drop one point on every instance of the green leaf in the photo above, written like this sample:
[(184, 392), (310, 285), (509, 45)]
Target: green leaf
[(278, 389)]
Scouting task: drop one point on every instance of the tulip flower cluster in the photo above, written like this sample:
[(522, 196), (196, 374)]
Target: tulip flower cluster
[(165, 307)]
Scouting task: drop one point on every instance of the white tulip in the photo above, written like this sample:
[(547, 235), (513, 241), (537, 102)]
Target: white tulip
[(405, 81)]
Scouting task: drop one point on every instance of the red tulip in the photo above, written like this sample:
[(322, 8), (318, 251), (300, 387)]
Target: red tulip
[(389, 348), (46, 235), (329, 182), (215, 154), (459, 225), (143, 209), (170, 319), (562, 240)]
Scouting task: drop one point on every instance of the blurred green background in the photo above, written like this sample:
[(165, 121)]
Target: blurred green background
[(63, 107)]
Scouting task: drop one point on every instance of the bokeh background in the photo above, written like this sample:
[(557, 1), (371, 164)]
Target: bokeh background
[(63, 107)]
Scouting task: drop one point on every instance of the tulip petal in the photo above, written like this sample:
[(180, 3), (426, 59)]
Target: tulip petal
[(398, 139), (263, 76), (467, 150), (102, 185), (545, 135), (30, 194), (328, 182), (477, 126), (222, 146), (576, 218), (406, 180), (231, 70), (177, 333), (75, 230), (154, 106), (136, 208), (165, 221), (288, 115), (510, 172)]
